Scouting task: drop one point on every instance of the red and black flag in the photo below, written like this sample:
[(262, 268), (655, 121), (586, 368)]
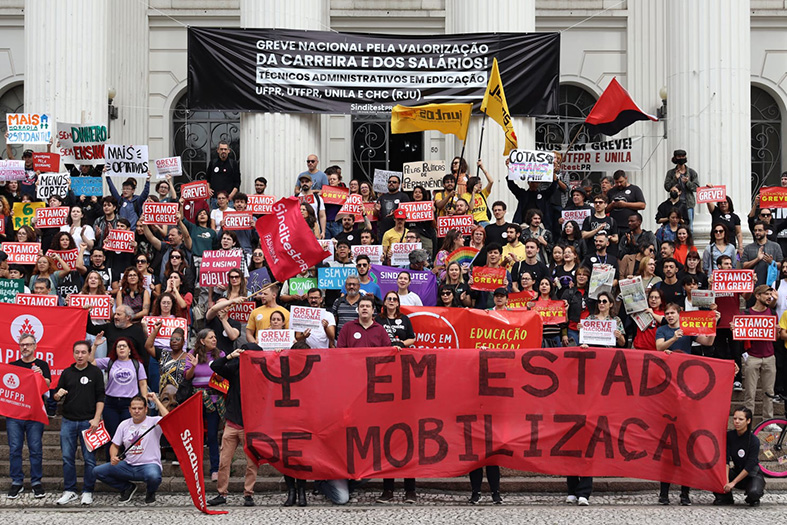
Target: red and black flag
[(614, 111)]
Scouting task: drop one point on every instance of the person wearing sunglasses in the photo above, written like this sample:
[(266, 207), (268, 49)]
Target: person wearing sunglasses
[(719, 245), (603, 312), (363, 264), (319, 178)]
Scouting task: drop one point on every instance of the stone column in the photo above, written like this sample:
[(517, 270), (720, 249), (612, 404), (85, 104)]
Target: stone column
[(471, 16), (709, 90), (275, 145)]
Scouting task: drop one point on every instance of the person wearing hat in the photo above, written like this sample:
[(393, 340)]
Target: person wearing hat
[(395, 234), (685, 180), (500, 299), (312, 197), (578, 201), (760, 366), (129, 203)]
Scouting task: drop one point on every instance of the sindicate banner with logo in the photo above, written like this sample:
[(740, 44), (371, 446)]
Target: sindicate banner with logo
[(434, 413), (294, 71)]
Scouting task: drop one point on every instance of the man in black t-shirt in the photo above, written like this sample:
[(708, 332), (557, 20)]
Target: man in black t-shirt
[(223, 173), (497, 231), (388, 202), (671, 287), (227, 330), (624, 200)]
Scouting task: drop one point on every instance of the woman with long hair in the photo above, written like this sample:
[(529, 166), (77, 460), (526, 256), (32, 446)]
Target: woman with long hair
[(257, 260), (645, 339), (177, 262), (572, 236), (406, 297), (565, 274), (198, 371), (236, 286), (459, 171), (311, 219), (603, 312), (647, 270), (669, 230), (578, 304), (453, 241), (217, 215), (79, 231), (11, 192), (478, 241), (26, 234), (455, 280), (557, 257), (94, 285), (684, 243), (527, 283), (71, 282), (743, 451), (5, 216), (551, 333), (693, 268), (725, 214), (425, 229), (630, 264), (133, 294), (719, 245), (46, 268)]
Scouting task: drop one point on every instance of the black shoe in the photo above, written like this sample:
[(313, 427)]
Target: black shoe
[(15, 491), (410, 497), (128, 493), (150, 497), (754, 503), (386, 497), (496, 499), (723, 501), (290, 501), (663, 500), (218, 500), (475, 497), (38, 491), (302, 496), (248, 501), (685, 500)]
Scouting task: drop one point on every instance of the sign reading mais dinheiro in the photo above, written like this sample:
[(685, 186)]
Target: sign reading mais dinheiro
[(260, 204), (237, 220), (21, 252), (194, 191), (51, 217), (733, 281), (773, 197), (754, 327), (100, 305), (463, 223)]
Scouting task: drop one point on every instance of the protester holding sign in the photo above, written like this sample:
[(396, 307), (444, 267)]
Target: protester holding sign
[(130, 204), (603, 307), (387, 203), (723, 213), (649, 320), (259, 319), (670, 338), (761, 362), (478, 195), (552, 333)]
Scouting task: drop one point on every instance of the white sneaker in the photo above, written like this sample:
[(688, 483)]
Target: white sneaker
[(67, 497), (583, 502), (87, 498), (571, 499), (737, 386)]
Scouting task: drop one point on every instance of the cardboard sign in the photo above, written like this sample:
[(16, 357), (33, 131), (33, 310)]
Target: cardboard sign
[(551, 312), (29, 128), (426, 173), (418, 211), (303, 318), (126, 160), (24, 213), (301, 285), (531, 166), (575, 215), (400, 252), (51, 217), (237, 220), (712, 194), (352, 206), (97, 438), (46, 162), (218, 383), (240, 312), (68, 256), (373, 251), (168, 166), (260, 204), (598, 332), (334, 194), (160, 212), (194, 191), (380, 182), (275, 339), (168, 325), (9, 288), (82, 143), (101, 306), (486, 279), (741, 281), (53, 184), (327, 246), (754, 327), (87, 186), (29, 299), (521, 299), (22, 252), (334, 278), (773, 197), (215, 265), (463, 223), (119, 241), (698, 322), (12, 170)]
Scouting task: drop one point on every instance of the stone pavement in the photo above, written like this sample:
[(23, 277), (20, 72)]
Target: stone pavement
[(433, 508)]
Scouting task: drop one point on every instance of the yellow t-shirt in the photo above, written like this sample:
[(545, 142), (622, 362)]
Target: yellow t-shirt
[(260, 319), (518, 251), (390, 237), (783, 324), (479, 206)]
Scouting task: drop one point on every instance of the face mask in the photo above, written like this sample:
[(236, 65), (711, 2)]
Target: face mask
[(673, 194), (680, 162)]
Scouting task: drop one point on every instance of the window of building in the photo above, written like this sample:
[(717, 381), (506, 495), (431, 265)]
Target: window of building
[(375, 147), (766, 140)]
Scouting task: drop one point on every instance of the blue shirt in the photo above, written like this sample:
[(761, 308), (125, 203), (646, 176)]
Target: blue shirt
[(373, 288), (319, 179), (129, 209), (681, 345)]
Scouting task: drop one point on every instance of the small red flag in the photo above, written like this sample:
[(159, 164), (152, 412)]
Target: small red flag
[(20, 394), (614, 111)]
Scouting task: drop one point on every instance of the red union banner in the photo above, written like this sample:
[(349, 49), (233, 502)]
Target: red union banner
[(405, 414), (463, 223), (260, 204), (20, 395), (551, 312), (487, 279), (698, 322), (160, 212), (711, 194), (51, 217), (237, 220), (418, 211), (754, 327), (773, 197), (733, 281), (195, 191)]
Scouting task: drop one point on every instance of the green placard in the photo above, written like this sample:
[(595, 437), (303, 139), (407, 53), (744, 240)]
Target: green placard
[(9, 288), (301, 285)]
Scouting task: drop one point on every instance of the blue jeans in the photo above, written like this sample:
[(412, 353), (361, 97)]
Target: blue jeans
[(17, 429), (115, 412), (691, 219), (212, 419), (70, 435), (332, 229), (575, 335), (119, 476), (336, 490)]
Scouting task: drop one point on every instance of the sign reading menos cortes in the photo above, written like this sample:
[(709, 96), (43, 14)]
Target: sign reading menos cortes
[(295, 71)]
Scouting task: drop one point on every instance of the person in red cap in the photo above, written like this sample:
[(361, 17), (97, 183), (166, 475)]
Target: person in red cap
[(395, 234)]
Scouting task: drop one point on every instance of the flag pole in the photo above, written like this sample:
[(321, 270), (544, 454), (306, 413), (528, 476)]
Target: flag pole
[(261, 289), (122, 455), (462, 154), (480, 142), (576, 136)]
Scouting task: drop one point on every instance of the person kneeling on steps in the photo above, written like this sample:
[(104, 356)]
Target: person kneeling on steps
[(743, 450)]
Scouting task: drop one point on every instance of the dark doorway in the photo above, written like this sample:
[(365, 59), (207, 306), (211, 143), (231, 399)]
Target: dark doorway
[(375, 147)]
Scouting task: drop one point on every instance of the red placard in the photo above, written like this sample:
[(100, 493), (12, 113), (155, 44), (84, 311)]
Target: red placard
[(368, 207), (463, 223), (260, 204), (51, 217), (95, 438), (521, 299), (30, 299), (551, 312), (486, 279), (219, 383), (119, 241), (194, 191), (22, 252), (711, 194), (240, 312), (754, 327), (100, 305), (334, 194), (353, 205), (46, 162), (773, 197), (741, 281), (237, 220), (68, 256), (160, 212), (168, 325), (698, 322), (418, 211), (215, 265)]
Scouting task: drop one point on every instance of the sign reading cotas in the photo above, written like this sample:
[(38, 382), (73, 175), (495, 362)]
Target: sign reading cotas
[(426, 173), (126, 160), (531, 166)]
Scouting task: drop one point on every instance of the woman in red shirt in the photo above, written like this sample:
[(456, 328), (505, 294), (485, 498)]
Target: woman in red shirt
[(646, 339)]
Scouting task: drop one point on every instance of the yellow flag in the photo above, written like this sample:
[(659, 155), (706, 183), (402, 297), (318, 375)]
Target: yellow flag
[(495, 105), (445, 118)]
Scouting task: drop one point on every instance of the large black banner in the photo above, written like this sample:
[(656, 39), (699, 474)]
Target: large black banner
[(294, 71)]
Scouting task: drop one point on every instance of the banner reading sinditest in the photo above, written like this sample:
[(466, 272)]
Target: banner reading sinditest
[(432, 414)]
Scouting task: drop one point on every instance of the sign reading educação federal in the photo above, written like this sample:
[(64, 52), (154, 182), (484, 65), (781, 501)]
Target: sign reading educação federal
[(295, 71)]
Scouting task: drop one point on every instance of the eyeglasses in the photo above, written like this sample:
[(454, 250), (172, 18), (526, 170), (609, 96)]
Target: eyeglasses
[(603, 301)]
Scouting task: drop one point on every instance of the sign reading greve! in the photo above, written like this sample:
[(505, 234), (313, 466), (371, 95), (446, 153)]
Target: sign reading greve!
[(711, 194), (100, 305), (418, 211), (168, 325), (698, 322), (426, 173), (463, 223), (773, 197), (22, 252), (260, 204), (334, 194), (486, 279), (119, 241), (51, 217), (160, 212), (754, 327), (739, 281), (237, 220), (215, 265), (194, 191)]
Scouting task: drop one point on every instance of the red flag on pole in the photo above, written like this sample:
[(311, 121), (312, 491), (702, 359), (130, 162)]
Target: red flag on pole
[(614, 111), (287, 241), (183, 429), (20, 394)]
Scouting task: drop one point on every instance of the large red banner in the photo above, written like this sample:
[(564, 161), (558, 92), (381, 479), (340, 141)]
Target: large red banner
[(55, 328), (773, 197), (431, 414), (20, 394)]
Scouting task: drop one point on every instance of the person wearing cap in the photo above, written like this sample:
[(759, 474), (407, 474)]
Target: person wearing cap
[(578, 201), (760, 366), (318, 178), (387, 203), (130, 205), (311, 196), (395, 234), (500, 299), (28, 184), (684, 179)]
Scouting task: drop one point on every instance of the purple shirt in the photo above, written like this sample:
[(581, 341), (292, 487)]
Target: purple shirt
[(148, 450), (202, 372), (122, 380)]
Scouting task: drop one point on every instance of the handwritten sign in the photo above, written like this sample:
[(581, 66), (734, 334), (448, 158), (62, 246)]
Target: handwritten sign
[(741, 281), (712, 194), (418, 211), (29, 299), (463, 223), (426, 173), (24, 213), (29, 128), (260, 204), (486, 279), (333, 278), (303, 318), (275, 339), (82, 143), (126, 160), (52, 217), (237, 220), (380, 182), (9, 288), (168, 166), (531, 166), (215, 265), (119, 241), (100, 305), (754, 327), (698, 322), (598, 332), (22, 252), (50, 184), (46, 162), (160, 212), (87, 186), (194, 191), (301, 285), (168, 325), (12, 170)]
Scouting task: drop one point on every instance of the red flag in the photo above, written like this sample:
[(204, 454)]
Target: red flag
[(54, 327), (20, 394), (287, 241), (183, 429), (614, 111)]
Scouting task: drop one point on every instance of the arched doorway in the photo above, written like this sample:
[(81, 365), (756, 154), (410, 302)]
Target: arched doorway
[(766, 140), (12, 101)]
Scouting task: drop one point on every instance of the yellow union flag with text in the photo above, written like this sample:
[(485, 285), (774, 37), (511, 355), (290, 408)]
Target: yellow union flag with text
[(495, 105), (445, 118)]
